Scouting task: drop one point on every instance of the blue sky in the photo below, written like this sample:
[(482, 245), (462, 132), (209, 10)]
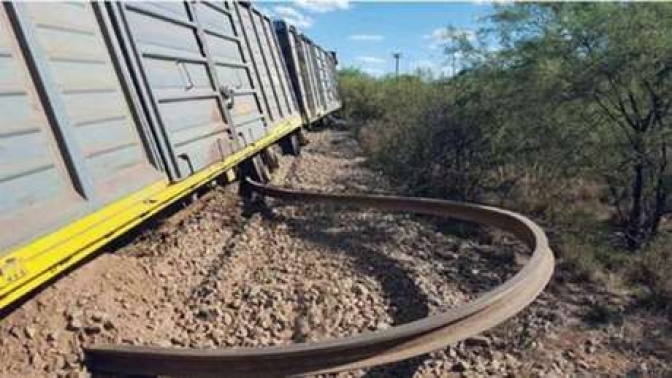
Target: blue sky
[(364, 34)]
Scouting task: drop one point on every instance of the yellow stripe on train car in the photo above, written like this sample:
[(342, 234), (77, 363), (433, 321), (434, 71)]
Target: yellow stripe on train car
[(29, 266)]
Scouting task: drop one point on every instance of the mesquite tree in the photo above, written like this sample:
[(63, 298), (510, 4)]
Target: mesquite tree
[(612, 63)]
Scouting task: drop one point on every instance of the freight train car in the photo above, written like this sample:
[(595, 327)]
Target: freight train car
[(110, 112), (313, 73)]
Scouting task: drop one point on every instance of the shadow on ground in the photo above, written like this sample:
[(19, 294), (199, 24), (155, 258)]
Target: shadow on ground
[(407, 301)]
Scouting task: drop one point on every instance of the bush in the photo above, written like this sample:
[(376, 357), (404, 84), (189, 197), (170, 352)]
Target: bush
[(568, 122), (653, 269)]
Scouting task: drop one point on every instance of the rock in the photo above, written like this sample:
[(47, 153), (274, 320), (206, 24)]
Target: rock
[(227, 319), (98, 316), (75, 324), (382, 325), (265, 320), (461, 366), (254, 290), (30, 332), (478, 366), (77, 374), (35, 358), (164, 343), (495, 365), (644, 368), (477, 342), (360, 289), (590, 346), (14, 331), (58, 363), (302, 329), (93, 329), (108, 325), (52, 336), (451, 352), (206, 314), (177, 341)]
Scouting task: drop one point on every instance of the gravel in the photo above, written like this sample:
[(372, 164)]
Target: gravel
[(221, 273)]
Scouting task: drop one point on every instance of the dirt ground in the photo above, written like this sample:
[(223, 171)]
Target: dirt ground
[(219, 273)]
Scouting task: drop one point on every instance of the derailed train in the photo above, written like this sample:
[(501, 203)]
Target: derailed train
[(109, 112)]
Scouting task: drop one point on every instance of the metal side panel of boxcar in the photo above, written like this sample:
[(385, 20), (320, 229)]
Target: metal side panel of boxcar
[(103, 105), (252, 25), (286, 36), (306, 70), (283, 77), (310, 70), (233, 69), (334, 102), (249, 21), (70, 141), (314, 57), (179, 83), (324, 75), (333, 63)]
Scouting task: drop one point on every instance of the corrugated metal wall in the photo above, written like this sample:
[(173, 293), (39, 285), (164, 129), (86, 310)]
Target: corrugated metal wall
[(271, 71), (289, 47), (100, 100), (232, 70), (313, 71), (171, 49), (96, 154)]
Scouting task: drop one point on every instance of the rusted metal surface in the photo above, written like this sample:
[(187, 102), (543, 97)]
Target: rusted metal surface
[(398, 343)]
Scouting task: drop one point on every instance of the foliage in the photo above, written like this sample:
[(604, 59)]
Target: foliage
[(574, 91), (611, 64), (569, 120)]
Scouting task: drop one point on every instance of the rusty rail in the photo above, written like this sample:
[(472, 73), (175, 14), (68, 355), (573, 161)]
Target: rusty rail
[(365, 350)]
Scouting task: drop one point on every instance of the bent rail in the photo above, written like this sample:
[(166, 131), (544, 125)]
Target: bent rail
[(365, 350)]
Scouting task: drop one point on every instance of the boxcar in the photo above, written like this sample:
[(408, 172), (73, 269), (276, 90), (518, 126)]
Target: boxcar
[(313, 73), (111, 111)]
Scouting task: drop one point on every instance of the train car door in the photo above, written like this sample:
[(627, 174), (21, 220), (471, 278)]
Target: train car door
[(189, 105), (223, 39)]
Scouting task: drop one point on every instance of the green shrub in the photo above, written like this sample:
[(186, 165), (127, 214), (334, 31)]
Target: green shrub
[(569, 121), (654, 269)]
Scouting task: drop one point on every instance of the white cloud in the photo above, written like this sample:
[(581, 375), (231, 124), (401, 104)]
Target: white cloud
[(370, 59), (439, 36), (436, 67), (293, 17), (366, 37), (322, 6)]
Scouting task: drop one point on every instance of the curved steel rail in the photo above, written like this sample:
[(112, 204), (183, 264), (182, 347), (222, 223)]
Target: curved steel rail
[(364, 350)]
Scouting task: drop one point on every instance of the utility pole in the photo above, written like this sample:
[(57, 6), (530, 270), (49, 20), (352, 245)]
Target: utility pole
[(396, 56)]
